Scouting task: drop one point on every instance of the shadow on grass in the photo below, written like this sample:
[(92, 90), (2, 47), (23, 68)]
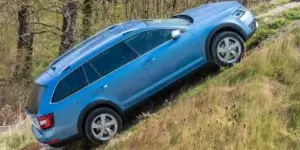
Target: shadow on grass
[(169, 94)]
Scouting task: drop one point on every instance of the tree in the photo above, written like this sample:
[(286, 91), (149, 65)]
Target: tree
[(174, 6), (25, 42), (87, 18), (68, 37)]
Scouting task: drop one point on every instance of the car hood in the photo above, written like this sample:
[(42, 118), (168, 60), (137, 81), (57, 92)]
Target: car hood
[(208, 11)]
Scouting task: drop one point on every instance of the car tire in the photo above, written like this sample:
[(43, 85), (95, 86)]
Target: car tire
[(227, 48), (102, 124)]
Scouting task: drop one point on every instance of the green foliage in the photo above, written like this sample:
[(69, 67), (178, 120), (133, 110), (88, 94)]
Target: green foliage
[(270, 26), (294, 117), (298, 40), (17, 138), (293, 14), (265, 6), (267, 28)]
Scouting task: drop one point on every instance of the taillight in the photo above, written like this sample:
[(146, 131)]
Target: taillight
[(46, 121)]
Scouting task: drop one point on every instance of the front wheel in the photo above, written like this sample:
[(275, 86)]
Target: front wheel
[(227, 48), (102, 124)]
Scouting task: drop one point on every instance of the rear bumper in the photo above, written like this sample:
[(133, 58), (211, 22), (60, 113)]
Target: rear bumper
[(66, 141), (61, 134), (48, 137)]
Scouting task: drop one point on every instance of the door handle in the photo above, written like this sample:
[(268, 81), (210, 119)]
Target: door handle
[(101, 88), (150, 60)]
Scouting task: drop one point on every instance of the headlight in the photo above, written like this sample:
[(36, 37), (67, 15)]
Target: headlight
[(240, 12)]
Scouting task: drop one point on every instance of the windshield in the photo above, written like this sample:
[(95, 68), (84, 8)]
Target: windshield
[(35, 98), (169, 22)]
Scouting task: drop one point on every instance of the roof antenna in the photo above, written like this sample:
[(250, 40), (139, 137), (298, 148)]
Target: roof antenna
[(53, 68)]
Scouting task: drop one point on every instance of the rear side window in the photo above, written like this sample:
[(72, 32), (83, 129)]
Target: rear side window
[(148, 40), (113, 58), (73, 82)]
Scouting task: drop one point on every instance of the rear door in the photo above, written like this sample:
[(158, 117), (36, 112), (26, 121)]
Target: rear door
[(117, 74)]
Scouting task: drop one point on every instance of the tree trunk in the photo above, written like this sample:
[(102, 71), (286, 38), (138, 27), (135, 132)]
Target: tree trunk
[(68, 37), (25, 42), (174, 6), (125, 3), (87, 18)]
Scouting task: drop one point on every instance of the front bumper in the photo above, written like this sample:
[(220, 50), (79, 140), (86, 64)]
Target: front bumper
[(249, 22)]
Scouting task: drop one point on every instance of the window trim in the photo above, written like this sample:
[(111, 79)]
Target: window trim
[(152, 48), (115, 69), (88, 63)]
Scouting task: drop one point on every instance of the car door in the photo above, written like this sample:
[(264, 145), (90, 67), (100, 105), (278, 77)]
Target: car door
[(167, 59), (121, 74)]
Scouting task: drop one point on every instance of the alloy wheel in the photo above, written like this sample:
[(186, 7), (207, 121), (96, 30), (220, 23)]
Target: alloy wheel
[(104, 127), (229, 50)]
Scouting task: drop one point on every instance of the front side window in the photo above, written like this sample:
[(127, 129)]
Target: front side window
[(148, 40), (113, 58), (73, 82)]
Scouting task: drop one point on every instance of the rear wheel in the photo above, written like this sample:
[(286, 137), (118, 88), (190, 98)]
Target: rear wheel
[(102, 124), (227, 48)]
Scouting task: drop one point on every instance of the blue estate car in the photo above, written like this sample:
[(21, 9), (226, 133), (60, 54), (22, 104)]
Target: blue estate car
[(86, 91)]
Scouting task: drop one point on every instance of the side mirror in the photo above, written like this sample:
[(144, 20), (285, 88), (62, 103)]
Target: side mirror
[(175, 34)]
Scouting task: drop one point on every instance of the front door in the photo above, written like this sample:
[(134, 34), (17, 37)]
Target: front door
[(166, 58)]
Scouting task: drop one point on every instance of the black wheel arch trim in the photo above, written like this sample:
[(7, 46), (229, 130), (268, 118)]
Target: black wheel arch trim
[(220, 27), (92, 106)]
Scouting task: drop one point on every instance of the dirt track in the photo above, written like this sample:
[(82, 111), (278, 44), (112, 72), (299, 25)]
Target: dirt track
[(276, 11)]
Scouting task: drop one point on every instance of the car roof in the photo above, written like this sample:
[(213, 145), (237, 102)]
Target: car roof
[(110, 34), (98, 40)]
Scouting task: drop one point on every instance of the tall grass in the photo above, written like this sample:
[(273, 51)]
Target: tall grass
[(254, 105), (16, 138)]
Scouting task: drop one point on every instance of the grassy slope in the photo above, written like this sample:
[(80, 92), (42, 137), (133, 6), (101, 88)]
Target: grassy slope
[(270, 26), (253, 105), (16, 138)]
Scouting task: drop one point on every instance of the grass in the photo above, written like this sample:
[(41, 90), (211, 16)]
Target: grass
[(271, 26), (16, 138), (253, 105), (265, 6)]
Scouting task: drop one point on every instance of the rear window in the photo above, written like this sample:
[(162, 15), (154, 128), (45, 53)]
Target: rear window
[(35, 97)]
